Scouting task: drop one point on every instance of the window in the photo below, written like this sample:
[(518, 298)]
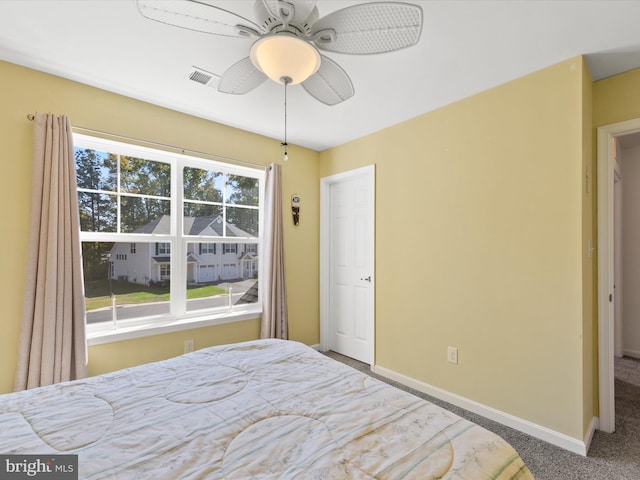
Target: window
[(207, 248), (165, 271), (178, 215)]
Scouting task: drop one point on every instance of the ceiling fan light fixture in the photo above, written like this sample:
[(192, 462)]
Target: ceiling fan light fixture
[(284, 55)]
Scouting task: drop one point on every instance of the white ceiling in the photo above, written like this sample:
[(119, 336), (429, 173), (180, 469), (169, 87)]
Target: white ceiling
[(466, 47)]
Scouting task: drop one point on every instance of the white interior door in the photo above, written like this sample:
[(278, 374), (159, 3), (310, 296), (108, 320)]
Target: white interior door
[(347, 257)]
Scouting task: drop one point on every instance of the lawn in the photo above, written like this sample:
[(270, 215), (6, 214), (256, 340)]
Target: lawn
[(98, 293)]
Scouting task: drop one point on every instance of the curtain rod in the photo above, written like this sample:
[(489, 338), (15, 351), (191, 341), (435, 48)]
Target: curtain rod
[(31, 117)]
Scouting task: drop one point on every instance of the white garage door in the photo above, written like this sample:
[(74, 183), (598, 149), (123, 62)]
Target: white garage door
[(229, 270), (206, 273)]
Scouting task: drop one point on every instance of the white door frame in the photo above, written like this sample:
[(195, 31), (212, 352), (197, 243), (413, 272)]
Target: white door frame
[(606, 333), (325, 243)]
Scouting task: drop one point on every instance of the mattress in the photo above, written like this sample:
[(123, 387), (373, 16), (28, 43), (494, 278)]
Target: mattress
[(261, 409)]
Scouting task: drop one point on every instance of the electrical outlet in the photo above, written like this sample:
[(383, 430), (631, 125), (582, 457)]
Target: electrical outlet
[(452, 355), (189, 345)]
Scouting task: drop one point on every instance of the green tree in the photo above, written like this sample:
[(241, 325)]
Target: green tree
[(95, 260), (201, 185), (96, 171), (145, 179), (243, 192)]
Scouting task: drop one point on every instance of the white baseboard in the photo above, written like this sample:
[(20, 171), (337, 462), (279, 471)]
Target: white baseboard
[(315, 347), (593, 426), (543, 433), (631, 353)]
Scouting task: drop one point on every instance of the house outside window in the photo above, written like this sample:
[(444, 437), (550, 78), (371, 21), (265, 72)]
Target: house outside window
[(179, 215)]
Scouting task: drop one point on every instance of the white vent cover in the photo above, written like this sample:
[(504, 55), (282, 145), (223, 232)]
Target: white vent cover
[(203, 77)]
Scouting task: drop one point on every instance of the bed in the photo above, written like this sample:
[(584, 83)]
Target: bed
[(260, 409)]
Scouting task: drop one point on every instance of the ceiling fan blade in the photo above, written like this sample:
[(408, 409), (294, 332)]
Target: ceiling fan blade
[(297, 11), (272, 7), (330, 84), (241, 78), (369, 28), (304, 8), (197, 16)]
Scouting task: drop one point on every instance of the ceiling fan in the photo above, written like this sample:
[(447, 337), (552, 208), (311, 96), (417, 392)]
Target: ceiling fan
[(288, 35)]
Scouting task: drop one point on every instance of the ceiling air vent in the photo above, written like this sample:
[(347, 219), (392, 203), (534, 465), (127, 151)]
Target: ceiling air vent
[(203, 77)]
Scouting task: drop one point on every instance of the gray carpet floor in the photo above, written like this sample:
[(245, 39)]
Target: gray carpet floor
[(612, 456)]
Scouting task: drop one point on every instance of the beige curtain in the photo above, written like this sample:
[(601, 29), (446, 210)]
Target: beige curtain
[(53, 345), (273, 285)]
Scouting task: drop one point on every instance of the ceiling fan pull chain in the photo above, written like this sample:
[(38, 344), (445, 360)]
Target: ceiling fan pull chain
[(286, 81)]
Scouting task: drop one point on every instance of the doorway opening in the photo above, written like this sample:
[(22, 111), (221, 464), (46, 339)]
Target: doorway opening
[(613, 141)]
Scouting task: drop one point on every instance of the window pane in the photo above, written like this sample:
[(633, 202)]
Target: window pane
[(208, 224), (192, 210), (207, 248), (163, 248), (202, 185), (219, 277), (146, 177), (242, 190), (145, 215), (95, 170), (113, 275), (97, 212), (242, 222)]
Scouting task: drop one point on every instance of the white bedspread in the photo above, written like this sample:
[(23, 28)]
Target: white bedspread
[(262, 409)]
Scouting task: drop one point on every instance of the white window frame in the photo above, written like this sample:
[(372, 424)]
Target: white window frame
[(178, 318)]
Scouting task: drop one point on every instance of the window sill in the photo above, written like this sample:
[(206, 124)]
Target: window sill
[(100, 335)]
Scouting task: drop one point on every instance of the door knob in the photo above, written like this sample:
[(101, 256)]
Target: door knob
[(368, 279)]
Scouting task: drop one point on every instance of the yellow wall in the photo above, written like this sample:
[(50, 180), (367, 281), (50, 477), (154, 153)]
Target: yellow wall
[(589, 236), (616, 99), (479, 245), (24, 91), (114, 356)]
